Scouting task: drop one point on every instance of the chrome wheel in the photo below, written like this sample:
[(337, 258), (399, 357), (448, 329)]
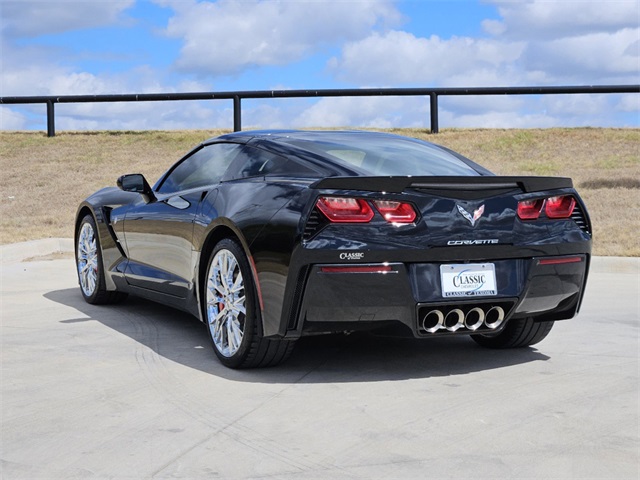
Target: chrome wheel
[(226, 304), (87, 260)]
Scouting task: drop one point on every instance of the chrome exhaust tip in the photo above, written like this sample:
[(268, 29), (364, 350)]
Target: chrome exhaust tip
[(494, 317), (433, 321), (454, 320), (474, 319)]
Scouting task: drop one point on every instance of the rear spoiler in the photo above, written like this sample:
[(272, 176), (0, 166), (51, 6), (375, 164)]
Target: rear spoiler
[(400, 184)]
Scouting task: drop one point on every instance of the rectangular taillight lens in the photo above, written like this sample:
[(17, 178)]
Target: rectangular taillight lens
[(530, 209), (396, 212), (345, 209), (560, 207)]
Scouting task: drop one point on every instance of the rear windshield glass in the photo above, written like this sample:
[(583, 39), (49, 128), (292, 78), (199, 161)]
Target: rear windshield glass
[(387, 155)]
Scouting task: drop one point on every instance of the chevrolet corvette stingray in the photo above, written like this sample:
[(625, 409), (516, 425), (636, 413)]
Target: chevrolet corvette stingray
[(267, 236)]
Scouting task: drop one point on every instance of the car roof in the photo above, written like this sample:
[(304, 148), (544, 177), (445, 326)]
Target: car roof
[(330, 149), (309, 135)]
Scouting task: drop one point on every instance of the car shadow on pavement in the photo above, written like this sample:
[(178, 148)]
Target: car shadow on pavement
[(359, 357)]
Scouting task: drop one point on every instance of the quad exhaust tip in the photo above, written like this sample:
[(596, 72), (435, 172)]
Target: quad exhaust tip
[(494, 317), (474, 319), (455, 319)]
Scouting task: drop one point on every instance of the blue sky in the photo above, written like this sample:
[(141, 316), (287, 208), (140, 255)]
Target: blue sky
[(133, 46)]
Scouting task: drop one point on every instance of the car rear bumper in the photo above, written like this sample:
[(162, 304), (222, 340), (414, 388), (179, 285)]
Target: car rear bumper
[(337, 297)]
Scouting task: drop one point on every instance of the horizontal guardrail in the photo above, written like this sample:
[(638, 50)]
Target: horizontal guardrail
[(237, 97)]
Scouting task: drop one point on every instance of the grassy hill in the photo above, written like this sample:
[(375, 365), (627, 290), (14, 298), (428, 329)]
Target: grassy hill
[(44, 179)]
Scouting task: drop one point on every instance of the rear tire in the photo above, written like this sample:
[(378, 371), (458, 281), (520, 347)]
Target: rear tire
[(518, 333), (90, 267), (232, 312)]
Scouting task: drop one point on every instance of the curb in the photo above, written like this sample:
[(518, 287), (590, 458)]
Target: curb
[(615, 265), (19, 252)]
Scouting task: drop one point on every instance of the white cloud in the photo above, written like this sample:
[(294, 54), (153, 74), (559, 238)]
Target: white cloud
[(629, 103), (603, 48), (51, 79), (144, 116), (599, 57), (379, 112), (400, 57), (478, 104), (547, 20), (263, 115), (31, 18), (538, 111), (11, 120), (39, 68), (498, 120), (587, 107), (228, 37)]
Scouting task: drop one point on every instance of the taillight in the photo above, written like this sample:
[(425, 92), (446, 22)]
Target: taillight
[(554, 207), (345, 210), (530, 209), (560, 207), (395, 212)]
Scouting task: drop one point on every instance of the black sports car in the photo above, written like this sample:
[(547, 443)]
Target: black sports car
[(268, 236)]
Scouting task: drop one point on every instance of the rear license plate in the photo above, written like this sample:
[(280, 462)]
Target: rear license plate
[(468, 280)]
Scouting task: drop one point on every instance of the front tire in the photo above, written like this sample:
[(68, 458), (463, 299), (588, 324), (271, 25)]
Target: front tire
[(90, 267), (233, 315), (518, 333)]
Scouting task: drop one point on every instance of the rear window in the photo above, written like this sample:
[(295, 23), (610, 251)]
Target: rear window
[(388, 156)]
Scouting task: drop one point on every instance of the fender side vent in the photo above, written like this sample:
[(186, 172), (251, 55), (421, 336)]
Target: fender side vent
[(578, 217), (315, 223)]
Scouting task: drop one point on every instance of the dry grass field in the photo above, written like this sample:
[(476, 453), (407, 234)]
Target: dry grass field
[(44, 179)]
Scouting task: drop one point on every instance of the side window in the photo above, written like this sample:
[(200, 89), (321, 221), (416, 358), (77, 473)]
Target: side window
[(255, 162), (204, 167)]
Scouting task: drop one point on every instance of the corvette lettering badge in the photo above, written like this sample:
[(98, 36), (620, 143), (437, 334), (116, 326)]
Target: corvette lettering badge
[(476, 215)]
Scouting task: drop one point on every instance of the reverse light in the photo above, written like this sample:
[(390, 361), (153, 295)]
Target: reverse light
[(345, 209), (396, 212), (530, 209), (560, 207)]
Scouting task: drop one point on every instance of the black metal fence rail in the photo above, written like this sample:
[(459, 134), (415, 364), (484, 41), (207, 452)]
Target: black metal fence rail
[(237, 97)]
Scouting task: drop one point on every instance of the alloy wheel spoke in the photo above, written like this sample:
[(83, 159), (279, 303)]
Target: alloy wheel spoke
[(224, 268), (221, 316), (222, 291), (237, 308), (237, 331), (237, 285), (230, 271)]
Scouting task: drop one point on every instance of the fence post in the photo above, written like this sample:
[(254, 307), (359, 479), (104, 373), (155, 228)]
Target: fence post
[(237, 114), (51, 121), (433, 109)]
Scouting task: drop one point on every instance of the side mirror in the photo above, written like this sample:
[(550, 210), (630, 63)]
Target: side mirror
[(136, 182)]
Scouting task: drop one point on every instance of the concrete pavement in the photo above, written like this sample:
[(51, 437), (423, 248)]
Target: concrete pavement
[(135, 391)]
